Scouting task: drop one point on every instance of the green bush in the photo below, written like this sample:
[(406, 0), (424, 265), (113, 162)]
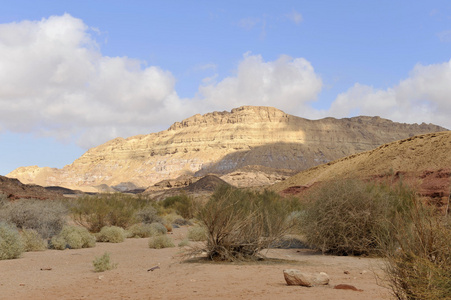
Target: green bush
[(103, 263), (46, 217), (197, 233), (420, 268), (11, 244), (240, 223), (160, 241), (141, 230), (33, 241), (73, 237), (95, 212), (182, 205), (352, 217), (111, 234)]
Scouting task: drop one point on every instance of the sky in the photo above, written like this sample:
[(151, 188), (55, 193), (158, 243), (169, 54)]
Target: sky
[(75, 74)]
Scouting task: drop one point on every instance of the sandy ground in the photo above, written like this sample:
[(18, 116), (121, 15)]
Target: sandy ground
[(72, 276)]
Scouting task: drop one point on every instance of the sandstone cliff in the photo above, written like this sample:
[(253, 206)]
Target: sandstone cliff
[(221, 142)]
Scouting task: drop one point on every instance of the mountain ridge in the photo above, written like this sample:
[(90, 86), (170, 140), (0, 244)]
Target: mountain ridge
[(221, 142)]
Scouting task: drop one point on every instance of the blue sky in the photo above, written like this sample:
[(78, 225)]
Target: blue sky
[(74, 74)]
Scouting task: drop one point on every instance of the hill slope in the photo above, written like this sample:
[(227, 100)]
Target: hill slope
[(423, 160), (221, 142)]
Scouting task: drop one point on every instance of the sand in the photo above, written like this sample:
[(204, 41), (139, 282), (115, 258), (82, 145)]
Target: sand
[(69, 274)]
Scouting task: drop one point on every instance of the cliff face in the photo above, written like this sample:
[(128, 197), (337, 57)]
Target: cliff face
[(221, 142)]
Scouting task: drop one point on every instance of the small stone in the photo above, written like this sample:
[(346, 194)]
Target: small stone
[(347, 272)]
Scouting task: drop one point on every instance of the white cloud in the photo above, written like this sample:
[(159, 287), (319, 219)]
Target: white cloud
[(295, 17), (287, 83), (55, 81), (423, 97)]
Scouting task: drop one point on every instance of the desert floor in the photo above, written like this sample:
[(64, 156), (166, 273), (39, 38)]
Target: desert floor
[(71, 275)]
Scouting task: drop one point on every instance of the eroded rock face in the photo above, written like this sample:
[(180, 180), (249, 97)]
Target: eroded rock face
[(220, 143)]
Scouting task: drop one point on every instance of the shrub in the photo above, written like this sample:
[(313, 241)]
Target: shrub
[(158, 228), (197, 233), (73, 237), (148, 215), (11, 245), (95, 212), (103, 263), (421, 266), (182, 205), (33, 241), (160, 241), (351, 217), (111, 234), (140, 230), (170, 218), (146, 230), (46, 217), (183, 243), (240, 224)]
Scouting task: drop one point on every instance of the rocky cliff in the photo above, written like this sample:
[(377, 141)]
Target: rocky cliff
[(221, 142)]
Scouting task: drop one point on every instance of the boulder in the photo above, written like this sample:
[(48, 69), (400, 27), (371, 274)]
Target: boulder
[(296, 277)]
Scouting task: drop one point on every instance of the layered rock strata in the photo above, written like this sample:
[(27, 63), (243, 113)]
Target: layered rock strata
[(221, 142)]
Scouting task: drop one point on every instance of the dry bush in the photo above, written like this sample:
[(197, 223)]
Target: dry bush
[(421, 266), (111, 234), (11, 244), (103, 263), (73, 237), (95, 212), (160, 241), (240, 223), (46, 217), (352, 217), (33, 241), (197, 233)]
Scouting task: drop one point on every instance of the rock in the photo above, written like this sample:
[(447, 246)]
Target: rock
[(296, 277)]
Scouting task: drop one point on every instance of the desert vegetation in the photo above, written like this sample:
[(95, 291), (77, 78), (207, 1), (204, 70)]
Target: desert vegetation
[(343, 217), (103, 263), (239, 224), (351, 217)]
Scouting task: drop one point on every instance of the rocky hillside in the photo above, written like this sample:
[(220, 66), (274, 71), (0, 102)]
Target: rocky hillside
[(220, 143), (424, 161), (13, 189)]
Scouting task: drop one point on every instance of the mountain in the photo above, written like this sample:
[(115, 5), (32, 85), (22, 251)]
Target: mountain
[(221, 143), (423, 161)]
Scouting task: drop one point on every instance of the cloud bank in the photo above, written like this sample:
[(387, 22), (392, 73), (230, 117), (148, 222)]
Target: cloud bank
[(425, 96), (54, 81)]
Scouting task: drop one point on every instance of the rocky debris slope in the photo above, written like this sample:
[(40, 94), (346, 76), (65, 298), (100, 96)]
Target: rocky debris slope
[(220, 143)]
